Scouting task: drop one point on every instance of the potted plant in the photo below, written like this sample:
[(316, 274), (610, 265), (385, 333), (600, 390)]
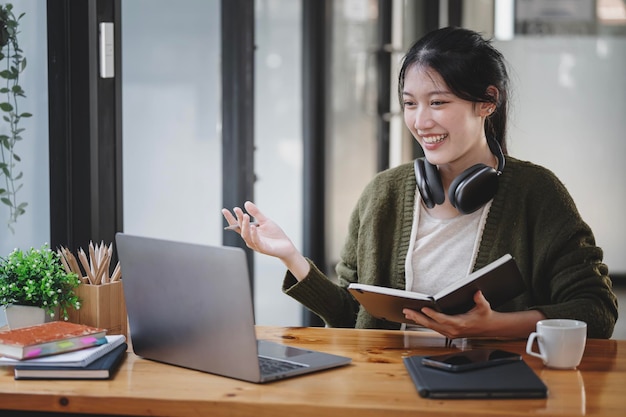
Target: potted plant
[(37, 278)]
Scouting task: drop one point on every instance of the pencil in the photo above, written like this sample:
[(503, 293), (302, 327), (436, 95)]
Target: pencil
[(236, 226)]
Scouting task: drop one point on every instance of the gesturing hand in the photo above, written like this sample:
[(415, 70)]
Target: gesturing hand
[(265, 236)]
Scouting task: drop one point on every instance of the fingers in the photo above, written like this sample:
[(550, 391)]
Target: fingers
[(236, 218), (229, 217), (254, 211), (240, 221), (234, 223), (416, 316), (479, 299), (252, 238)]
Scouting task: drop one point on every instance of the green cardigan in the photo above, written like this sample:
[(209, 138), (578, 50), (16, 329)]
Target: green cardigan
[(532, 217)]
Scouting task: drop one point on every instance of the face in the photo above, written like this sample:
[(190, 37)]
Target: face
[(450, 130)]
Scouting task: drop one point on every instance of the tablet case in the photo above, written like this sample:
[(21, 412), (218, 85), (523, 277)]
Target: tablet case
[(511, 380)]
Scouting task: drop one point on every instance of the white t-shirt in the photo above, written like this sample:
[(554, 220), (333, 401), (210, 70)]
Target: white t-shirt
[(442, 251)]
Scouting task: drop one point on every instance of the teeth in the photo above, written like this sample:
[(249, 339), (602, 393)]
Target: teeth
[(434, 139)]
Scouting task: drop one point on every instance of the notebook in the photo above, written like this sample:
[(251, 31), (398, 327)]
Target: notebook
[(511, 380), (190, 305), (102, 368), (75, 358)]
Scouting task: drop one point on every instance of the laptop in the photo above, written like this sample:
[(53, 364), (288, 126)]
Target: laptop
[(190, 305)]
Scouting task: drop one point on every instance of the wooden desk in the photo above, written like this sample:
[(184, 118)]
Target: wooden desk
[(376, 384)]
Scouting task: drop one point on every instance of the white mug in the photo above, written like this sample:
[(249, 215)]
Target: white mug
[(561, 342)]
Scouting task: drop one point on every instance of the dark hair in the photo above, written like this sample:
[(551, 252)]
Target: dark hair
[(469, 64)]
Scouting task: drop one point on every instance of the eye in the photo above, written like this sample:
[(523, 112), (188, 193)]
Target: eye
[(408, 103), (437, 103)]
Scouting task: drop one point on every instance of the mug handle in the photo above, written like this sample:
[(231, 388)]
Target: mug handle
[(529, 347)]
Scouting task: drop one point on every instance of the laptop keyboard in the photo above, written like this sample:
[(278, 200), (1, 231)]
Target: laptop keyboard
[(271, 366)]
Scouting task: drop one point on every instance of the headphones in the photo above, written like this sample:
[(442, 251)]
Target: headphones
[(468, 192)]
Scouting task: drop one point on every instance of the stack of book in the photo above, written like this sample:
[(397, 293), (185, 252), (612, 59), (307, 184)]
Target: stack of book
[(61, 350)]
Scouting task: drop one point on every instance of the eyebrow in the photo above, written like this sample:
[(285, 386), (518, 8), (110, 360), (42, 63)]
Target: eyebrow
[(432, 93)]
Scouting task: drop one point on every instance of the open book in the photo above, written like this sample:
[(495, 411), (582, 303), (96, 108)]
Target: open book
[(499, 281)]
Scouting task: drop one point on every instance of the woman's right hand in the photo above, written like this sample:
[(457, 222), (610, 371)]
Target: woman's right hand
[(267, 237)]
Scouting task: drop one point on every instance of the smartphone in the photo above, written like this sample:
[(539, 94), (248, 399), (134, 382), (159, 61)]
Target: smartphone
[(470, 359)]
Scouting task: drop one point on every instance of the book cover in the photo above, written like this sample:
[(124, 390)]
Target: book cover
[(509, 380), (76, 358), (49, 339), (102, 368), (499, 281)]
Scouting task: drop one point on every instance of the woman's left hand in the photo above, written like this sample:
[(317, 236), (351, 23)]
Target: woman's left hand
[(471, 324)]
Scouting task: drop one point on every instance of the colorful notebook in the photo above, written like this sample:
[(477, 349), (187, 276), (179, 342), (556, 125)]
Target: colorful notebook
[(49, 339), (76, 358)]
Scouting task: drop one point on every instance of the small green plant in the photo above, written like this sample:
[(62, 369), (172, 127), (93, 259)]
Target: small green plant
[(38, 278), (12, 64)]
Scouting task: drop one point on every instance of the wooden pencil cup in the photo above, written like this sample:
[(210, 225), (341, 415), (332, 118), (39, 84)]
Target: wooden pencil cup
[(102, 306)]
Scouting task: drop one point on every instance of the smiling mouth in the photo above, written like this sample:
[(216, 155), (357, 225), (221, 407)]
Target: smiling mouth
[(434, 139)]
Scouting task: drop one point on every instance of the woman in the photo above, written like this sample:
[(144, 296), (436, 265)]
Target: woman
[(421, 226)]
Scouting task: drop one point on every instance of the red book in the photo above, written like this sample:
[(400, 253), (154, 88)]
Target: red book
[(49, 339)]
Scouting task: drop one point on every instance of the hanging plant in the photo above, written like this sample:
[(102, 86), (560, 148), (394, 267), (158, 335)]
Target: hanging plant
[(12, 64)]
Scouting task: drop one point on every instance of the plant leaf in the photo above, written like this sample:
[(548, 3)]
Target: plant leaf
[(6, 106)]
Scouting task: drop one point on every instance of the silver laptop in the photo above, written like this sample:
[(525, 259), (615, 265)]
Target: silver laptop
[(190, 305)]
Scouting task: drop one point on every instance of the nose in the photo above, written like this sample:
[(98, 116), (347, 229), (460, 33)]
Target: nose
[(423, 119)]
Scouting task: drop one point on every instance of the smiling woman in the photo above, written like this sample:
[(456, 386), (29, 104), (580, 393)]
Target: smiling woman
[(454, 90)]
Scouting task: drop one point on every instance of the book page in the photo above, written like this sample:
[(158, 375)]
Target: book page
[(471, 277), (390, 291)]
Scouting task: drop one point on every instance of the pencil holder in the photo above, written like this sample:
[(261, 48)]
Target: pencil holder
[(102, 306)]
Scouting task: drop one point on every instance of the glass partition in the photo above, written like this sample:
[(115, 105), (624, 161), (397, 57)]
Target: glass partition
[(352, 146), (278, 139), (172, 136), (171, 119), (32, 229)]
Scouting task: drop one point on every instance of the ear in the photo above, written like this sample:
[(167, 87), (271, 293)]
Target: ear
[(487, 109)]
